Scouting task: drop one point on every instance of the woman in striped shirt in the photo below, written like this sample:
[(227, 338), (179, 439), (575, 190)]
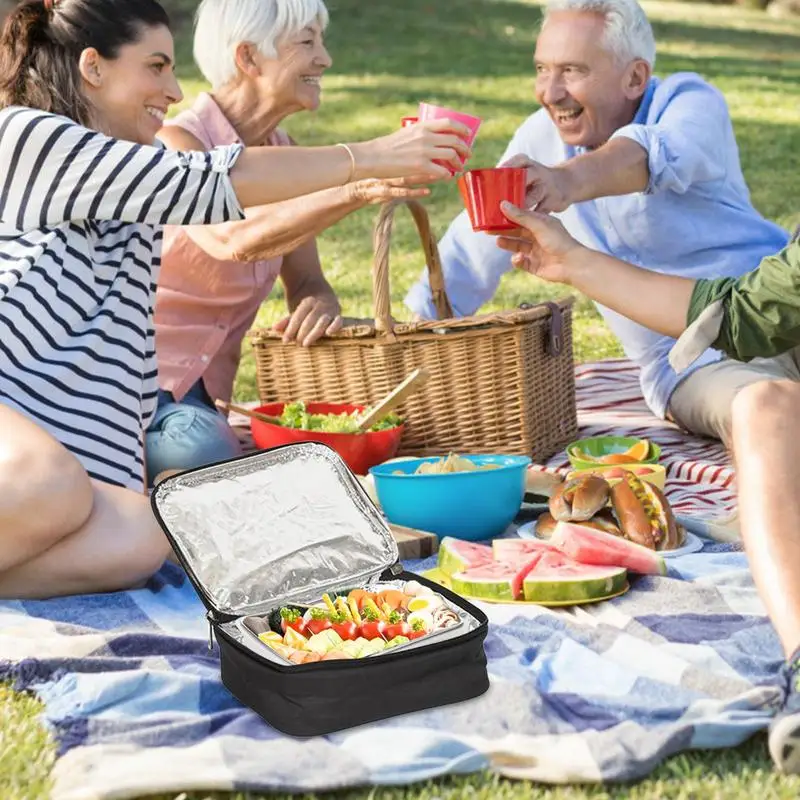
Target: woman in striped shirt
[(85, 87)]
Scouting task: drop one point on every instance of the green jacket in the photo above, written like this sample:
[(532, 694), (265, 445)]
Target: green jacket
[(757, 315)]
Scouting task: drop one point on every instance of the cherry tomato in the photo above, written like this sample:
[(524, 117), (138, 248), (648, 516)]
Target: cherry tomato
[(292, 619), (397, 629), (346, 630), (298, 624), (416, 634), (372, 629), (314, 626)]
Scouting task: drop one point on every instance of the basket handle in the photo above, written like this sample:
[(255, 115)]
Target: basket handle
[(381, 293)]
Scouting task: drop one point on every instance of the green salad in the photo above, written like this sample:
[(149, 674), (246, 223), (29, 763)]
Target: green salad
[(295, 416)]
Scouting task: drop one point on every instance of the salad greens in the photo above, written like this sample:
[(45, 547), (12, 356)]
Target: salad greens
[(295, 416)]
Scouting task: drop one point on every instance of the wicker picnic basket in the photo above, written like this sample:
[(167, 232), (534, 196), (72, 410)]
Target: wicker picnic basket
[(500, 383)]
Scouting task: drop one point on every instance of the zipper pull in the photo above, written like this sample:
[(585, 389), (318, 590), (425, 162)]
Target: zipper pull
[(396, 568), (210, 634)]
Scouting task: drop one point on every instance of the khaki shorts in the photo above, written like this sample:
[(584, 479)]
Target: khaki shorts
[(701, 403)]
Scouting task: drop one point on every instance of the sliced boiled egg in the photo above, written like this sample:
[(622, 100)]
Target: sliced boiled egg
[(423, 617), (424, 603)]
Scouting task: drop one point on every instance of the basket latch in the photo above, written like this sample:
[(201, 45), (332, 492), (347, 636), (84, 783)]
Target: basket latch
[(555, 342)]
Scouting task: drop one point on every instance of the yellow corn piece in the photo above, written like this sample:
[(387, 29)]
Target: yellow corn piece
[(343, 608), (328, 602), (371, 604), (354, 611)]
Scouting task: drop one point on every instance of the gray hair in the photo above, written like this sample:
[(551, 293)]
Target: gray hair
[(222, 25), (628, 32)]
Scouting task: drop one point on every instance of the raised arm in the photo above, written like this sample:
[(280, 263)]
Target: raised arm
[(678, 148), (53, 170), (269, 174), (272, 230), (545, 249), (755, 315)]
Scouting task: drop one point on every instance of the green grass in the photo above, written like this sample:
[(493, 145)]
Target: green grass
[(477, 54)]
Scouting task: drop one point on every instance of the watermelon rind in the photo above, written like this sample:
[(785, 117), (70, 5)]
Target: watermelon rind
[(483, 588), (456, 555), (597, 584)]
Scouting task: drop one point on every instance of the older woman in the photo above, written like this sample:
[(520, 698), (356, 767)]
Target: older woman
[(264, 60)]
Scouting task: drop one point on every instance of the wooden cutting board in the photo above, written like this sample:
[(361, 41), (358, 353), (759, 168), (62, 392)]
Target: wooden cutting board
[(413, 543)]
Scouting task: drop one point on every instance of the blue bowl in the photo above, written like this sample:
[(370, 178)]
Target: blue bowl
[(466, 505)]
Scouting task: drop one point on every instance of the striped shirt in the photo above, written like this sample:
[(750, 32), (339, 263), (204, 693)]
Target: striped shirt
[(80, 245)]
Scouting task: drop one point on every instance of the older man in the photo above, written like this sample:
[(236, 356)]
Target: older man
[(640, 168)]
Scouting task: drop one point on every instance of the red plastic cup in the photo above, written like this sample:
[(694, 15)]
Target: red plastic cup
[(405, 122), (428, 112), (484, 189)]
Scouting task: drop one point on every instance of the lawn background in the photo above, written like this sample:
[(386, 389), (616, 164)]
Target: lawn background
[(476, 54)]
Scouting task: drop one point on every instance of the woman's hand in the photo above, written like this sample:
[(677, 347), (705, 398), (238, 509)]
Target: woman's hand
[(548, 188), (411, 152), (541, 246), (371, 191), (314, 317)]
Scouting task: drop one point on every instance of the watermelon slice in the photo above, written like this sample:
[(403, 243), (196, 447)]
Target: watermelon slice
[(516, 551), (590, 546), (493, 581), (561, 580), (456, 555), (548, 577)]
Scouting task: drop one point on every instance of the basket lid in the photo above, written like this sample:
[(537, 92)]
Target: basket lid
[(279, 526)]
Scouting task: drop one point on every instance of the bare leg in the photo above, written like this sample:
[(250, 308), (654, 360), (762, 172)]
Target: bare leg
[(767, 452), (45, 493), (119, 547), (60, 532)]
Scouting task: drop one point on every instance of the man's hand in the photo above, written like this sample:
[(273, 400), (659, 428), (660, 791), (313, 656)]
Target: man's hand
[(541, 246), (372, 191), (548, 187), (315, 316)]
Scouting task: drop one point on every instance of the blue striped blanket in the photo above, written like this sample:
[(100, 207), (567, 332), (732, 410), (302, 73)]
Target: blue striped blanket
[(132, 693)]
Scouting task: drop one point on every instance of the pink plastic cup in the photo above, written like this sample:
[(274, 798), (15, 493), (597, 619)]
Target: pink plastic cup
[(428, 112)]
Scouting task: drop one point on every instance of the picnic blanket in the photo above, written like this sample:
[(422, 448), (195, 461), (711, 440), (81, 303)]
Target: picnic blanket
[(599, 693)]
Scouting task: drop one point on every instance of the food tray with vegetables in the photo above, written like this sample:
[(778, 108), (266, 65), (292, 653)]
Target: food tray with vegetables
[(305, 596), (359, 623)]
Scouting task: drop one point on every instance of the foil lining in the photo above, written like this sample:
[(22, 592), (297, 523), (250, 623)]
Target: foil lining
[(280, 526)]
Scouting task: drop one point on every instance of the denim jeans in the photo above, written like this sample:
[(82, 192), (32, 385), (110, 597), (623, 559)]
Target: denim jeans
[(188, 434)]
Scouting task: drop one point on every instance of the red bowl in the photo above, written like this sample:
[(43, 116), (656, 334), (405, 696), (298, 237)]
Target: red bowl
[(482, 191), (360, 451)]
